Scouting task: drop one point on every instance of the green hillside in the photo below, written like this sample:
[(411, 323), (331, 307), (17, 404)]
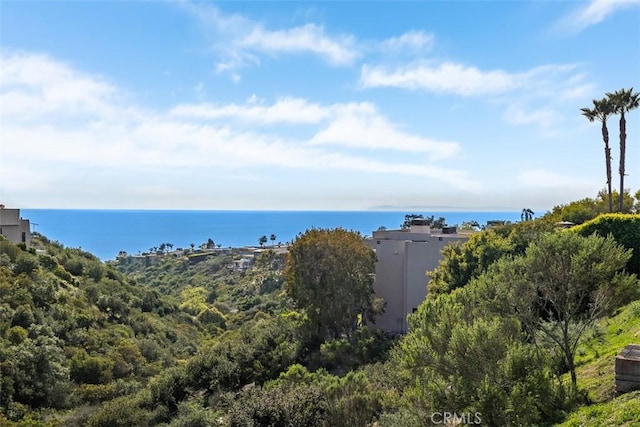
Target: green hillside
[(217, 338)]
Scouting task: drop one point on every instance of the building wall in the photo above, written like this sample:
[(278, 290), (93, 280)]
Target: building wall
[(401, 272), (14, 228), (389, 283)]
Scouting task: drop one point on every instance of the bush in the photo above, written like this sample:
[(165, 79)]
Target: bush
[(120, 412), (300, 405), (87, 369), (26, 264), (625, 229)]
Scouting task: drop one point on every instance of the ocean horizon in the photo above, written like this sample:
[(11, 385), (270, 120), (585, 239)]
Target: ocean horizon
[(106, 232)]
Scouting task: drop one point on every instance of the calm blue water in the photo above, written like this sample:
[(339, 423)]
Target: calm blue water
[(106, 232)]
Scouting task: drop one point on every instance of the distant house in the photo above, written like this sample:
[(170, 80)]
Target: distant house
[(13, 227), (244, 263), (404, 257)]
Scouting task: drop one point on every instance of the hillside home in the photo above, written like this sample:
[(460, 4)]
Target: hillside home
[(13, 227), (404, 257)]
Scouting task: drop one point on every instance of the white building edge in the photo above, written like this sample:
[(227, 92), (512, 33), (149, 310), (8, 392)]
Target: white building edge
[(13, 227), (404, 257)]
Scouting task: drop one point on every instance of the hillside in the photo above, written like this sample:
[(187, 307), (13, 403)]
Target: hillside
[(75, 332), (596, 372), (211, 338)]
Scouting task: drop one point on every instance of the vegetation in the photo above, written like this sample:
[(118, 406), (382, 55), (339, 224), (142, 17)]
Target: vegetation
[(623, 101), (330, 275), (601, 111), (431, 221), (625, 229), (619, 102), (520, 327)]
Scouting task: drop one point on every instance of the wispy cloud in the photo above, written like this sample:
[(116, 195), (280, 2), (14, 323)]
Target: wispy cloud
[(240, 41), (284, 110), (89, 127), (33, 85), (447, 77), (309, 38), (416, 41), (374, 132), (529, 97), (455, 78), (593, 13)]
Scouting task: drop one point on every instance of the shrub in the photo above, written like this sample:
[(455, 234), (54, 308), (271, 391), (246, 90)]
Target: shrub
[(26, 264), (91, 369), (120, 412), (625, 229)]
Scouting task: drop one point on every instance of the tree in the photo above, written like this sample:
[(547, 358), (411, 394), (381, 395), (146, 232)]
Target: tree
[(463, 261), (273, 239), (623, 101), (329, 273), (564, 283), (262, 240), (601, 111), (527, 214), (508, 382), (624, 228), (431, 221)]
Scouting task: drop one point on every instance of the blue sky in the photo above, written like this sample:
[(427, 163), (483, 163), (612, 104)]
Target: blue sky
[(304, 105)]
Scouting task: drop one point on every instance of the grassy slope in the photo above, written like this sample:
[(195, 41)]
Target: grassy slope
[(596, 373)]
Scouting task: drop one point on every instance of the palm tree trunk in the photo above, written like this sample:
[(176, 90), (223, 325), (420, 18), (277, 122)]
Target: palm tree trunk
[(623, 149), (607, 154)]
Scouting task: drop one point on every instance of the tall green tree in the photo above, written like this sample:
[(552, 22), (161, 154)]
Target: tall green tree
[(601, 111), (564, 283), (330, 274), (623, 101)]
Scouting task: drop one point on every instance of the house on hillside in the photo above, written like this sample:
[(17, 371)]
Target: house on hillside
[(404, 257), (13, 227)]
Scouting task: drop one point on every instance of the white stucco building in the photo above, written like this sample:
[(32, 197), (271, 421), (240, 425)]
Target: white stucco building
[(13, 227), (404, 257)]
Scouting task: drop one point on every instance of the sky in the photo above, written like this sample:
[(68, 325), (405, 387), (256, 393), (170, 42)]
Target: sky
[(296, 105)]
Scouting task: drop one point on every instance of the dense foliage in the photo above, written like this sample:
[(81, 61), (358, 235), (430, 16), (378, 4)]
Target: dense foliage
[(330, 275), (625, 229), (256, 337), (74, 331)]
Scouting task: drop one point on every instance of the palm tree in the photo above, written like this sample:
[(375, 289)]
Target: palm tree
[(273, 239), (623, 100), (527, 214), (601, 111)]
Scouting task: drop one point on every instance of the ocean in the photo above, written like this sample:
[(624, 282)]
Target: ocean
[(107, 232)]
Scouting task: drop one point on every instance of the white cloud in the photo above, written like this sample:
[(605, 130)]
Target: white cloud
[(545, 118), (307, 38), (33, 84), (372, 131), (240, 41), (463, 80), (533, 96), (352, 125), (593, 13), (285, 110), (120, 144), (411, 40), (447, 77)]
